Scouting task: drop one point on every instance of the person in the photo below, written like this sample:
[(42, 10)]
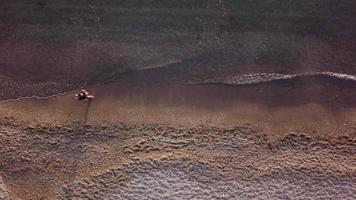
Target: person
[(84, 95)]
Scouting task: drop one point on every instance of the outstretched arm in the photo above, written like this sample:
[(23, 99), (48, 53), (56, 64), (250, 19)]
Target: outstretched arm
[(85, 92)]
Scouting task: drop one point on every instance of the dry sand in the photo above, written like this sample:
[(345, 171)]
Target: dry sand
[(166, 162), (3, 190)]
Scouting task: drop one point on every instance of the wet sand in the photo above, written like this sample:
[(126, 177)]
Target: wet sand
[(321, 105)]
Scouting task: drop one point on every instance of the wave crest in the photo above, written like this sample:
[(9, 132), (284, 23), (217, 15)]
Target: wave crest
[(257, 78)]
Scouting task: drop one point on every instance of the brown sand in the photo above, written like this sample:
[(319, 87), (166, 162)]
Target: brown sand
[(171, 162), (183, 142), (325, 108)]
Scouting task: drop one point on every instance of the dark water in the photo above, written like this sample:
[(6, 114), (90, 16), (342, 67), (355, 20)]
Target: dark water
[(85, 42)]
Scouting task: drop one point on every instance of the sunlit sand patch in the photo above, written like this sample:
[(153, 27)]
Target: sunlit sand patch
[(3, 190)]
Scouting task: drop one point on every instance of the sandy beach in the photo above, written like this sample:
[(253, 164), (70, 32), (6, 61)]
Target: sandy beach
[(198, 99)]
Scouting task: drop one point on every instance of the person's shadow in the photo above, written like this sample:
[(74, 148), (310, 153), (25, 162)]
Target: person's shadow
[(86, 114), (77, 154)]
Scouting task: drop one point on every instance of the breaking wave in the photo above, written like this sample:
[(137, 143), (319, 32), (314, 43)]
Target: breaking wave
[(257, 78)]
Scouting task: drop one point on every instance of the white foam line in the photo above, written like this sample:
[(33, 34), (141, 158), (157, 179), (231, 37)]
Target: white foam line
[(50, 96), (226, 81), (39, 97), (340, 75), (265, 77)]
